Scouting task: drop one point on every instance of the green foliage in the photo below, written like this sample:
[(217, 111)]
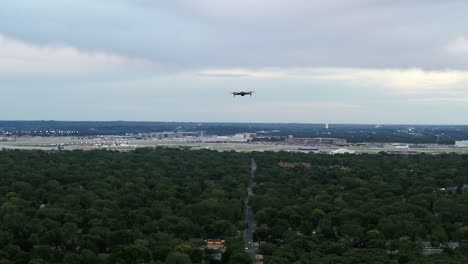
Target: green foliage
[(143, 206), (360, 208), (178, 258), (140, 206)]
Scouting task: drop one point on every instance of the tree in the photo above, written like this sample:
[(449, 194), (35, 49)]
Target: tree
[(178, 258)]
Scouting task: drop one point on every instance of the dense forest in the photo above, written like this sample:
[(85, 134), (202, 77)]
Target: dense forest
[(142, 206), (159, 205), (362, 208)]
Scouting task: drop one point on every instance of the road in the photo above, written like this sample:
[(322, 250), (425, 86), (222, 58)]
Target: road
[(249, 216)]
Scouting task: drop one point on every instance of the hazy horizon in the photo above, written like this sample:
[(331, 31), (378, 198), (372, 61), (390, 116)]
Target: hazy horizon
[(240, 122)]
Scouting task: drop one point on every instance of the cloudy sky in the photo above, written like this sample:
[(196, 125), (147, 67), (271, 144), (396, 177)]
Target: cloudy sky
[(311, 61)]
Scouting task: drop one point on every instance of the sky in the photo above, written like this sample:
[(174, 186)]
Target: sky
[(308, 61)]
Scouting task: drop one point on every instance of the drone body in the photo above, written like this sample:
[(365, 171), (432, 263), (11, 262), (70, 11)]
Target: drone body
[(242, 93)]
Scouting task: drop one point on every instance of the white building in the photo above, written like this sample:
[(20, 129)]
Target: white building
[(461, 144), (245, 136)]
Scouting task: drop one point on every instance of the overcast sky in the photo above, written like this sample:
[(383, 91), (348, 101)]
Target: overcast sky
[(311, 61)]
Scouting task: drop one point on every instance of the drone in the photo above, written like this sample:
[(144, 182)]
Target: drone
[(242, 93)]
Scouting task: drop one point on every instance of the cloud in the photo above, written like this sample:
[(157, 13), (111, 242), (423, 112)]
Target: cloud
[(264, 33), (296, 111), (402, 80), (296, 107), (411, 80), (22, 57), (271, 9), (454, 99), (239, 73), (458, 47)]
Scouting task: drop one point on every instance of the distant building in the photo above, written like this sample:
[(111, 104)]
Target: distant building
[(329, 141), (172, 135), (245, 136), (217, 245), (317, 141), (461, 144)]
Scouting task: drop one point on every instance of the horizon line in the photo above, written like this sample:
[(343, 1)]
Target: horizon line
[(231, 122)]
